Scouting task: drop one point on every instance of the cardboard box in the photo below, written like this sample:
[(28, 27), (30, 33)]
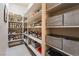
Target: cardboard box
[(55, 20), (71, 18), (71, 47), (56, 42)]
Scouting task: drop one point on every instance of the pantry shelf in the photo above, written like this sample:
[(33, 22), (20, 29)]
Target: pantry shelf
[(34, 38), (35, 15)]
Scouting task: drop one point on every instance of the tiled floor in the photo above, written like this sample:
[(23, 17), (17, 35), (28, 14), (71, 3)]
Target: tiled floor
[(20, 50)]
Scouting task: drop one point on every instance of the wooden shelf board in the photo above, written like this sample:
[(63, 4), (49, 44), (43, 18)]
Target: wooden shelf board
[(32, 8), (14, 28), (60, 6), (53, 7), (62, 26), (15, 21), (36, 16), (34, 50), (34, 38), (59, 49), (35, 27), (15, 34)]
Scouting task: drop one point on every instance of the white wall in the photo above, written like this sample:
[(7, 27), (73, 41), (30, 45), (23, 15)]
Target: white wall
[(3, 32)]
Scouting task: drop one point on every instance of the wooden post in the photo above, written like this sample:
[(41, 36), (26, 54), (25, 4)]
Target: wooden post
[(44, 17)]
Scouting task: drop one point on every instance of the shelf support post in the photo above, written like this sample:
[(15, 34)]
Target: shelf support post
[(44, 17)]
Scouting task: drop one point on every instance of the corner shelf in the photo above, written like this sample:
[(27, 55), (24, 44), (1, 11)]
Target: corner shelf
[(34, 38)]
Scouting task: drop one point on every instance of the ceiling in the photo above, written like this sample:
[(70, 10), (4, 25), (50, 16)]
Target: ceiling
[(22, 4), (20, 8)]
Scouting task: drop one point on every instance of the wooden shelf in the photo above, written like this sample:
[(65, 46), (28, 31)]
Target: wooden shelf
[(40, 15), (61, 6), (15, 21), (49, 9), (15, 40), (34, 50), (14, 28), (15, 34), (57, 9), (36, 16), (34, 38), (58, 49), (35, 27), (62, 26), (32, 8)]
